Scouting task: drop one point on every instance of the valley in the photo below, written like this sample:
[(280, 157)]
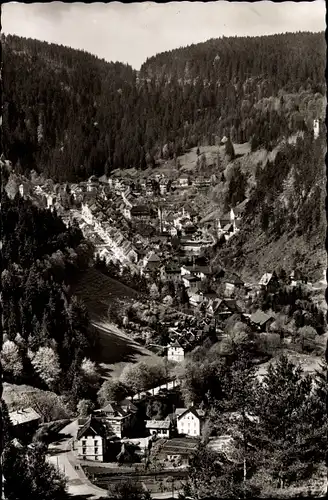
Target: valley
[(163, 284)]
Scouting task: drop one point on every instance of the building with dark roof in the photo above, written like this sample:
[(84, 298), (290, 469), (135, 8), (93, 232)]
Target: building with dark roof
[(118, 417), (261, 320), (223, 308), (191, 282), (140, 212), (91, 440)]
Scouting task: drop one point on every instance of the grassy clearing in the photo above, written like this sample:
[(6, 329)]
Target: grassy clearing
[(99, 291), (116, 349)]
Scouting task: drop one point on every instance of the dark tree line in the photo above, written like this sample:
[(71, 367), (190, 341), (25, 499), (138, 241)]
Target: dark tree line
[(278, 426), (40, 257), (71, 115)]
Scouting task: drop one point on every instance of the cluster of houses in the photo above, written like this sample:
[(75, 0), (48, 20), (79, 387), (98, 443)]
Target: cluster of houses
[(185, 339), (117, 216), (226, 225), (116, 421), (112, 423), (112, 221)]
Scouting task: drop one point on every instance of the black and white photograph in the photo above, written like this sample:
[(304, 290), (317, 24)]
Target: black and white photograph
[(163, 264)]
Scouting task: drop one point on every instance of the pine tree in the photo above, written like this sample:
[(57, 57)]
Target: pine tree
[(293, 432)]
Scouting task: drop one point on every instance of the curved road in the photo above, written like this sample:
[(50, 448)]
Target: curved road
[(61, 456), (78, 485)]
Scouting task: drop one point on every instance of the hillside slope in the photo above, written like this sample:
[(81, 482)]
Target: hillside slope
[(284, 224)]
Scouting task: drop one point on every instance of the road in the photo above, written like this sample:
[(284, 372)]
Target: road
[(61, 456), (78, 485)]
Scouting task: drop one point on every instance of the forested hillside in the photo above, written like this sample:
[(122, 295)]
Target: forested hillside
[(284, 225), (46, 330), (71, 115)]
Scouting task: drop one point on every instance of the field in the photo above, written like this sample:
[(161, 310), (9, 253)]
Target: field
[(99, 291), (179, 445), (116, 349), (187, 161), (155, 482)]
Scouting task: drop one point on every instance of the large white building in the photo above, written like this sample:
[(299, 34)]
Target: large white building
[(190, 421), (91, 440)]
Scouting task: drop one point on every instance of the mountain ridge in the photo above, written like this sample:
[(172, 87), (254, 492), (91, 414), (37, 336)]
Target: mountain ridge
[(57, 99)]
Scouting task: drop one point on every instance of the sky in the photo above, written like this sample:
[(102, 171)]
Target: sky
[(130, 33)]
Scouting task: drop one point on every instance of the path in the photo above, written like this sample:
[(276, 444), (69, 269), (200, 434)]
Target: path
[(61, 456), (78, 485)]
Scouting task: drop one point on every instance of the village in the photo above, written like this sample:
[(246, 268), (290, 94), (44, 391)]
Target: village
[(146, 227)]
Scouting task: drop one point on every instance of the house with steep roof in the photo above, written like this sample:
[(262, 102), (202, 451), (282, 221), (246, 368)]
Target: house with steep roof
[(184, 180), (262, 321), (118, 417), (222, 309), (201, 272), (196, 299), (232, 282), (140, 212), (25, 422), (171, 272), (161, 428), (191, 282), (190, 421), (152, 261), (24, 416), (193, 247), (91, 440)]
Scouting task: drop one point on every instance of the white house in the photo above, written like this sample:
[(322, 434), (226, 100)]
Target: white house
[(86, 213), (190, 421), (175, 352), (184, 180), (90, 442)]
